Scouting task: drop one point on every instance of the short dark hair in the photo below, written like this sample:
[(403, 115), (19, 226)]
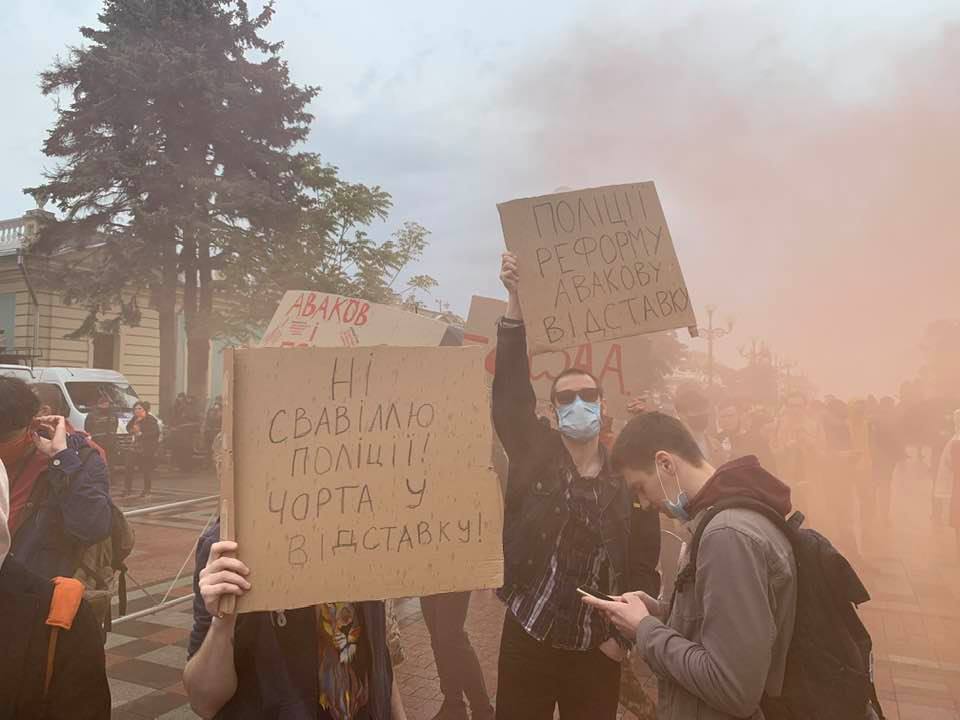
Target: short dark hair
[(144, 404), (18, 405), (567, 373), (645, 435)]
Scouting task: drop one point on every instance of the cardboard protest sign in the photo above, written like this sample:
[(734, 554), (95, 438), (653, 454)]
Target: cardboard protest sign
[(610, 362), (312, 319), (595, 265), (354, 475)]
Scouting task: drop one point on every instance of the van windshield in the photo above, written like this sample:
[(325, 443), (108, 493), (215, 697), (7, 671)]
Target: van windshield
[(85, 395)]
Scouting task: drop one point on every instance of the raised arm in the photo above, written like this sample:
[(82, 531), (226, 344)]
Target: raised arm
[(79, 489), (514, 402)]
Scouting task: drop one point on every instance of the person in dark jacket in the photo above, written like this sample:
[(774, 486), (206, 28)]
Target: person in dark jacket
[(324, 662), (78, 686), (59, 491), (569, 523), (102, 424), (146, 444)]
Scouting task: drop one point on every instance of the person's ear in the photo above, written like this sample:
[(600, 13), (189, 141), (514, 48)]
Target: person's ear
[(665, 462)]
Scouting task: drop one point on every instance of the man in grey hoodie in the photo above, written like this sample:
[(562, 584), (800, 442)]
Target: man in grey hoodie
[(723, 644)]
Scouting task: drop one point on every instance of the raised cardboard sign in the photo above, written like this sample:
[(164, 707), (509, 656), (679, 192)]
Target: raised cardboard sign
[(595, 265), (312, 319), (354, 475), (610, 362)]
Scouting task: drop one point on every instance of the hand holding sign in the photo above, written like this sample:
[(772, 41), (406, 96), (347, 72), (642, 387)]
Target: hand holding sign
[(509, 273), (223, 575), (510, 277)]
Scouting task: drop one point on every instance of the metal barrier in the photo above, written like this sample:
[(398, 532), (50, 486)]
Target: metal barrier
[(153, 610), (169, 506), (166, 604)]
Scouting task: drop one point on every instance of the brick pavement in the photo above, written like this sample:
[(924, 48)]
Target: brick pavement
[(911, 569)]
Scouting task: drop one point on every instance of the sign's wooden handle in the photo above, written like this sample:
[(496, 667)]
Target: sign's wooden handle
[(228, 603), (227, 606)]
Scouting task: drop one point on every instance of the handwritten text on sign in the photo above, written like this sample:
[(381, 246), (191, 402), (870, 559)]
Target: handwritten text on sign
[(614, 364), (311, 319), (595, 265), (357, 459)]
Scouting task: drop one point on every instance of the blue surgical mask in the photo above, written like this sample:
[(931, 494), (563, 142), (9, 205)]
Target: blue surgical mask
[(579, 420), (677, 508)]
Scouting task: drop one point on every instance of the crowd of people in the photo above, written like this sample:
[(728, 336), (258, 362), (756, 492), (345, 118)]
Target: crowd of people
[(838, 457), (585, 585)]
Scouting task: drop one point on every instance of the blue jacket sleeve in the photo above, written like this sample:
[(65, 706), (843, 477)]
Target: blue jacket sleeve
[(82, 494)]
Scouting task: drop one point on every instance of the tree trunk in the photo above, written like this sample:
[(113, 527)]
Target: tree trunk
[(197, 300), (166, 300)]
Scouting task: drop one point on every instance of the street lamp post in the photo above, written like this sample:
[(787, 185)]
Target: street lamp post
[(712, 333)]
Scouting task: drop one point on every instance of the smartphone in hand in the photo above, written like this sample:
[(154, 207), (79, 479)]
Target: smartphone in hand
[(595, 593), (44, 431)]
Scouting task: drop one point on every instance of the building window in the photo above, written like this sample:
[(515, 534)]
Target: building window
[(106, 351)]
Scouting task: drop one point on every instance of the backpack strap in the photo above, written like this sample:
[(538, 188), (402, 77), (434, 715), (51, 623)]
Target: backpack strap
[(688, 573), (64, 605)]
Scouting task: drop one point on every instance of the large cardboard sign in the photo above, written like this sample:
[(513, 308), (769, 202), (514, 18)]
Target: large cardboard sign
[(360, 474), (312, 319), (610, 362), (595, 265)]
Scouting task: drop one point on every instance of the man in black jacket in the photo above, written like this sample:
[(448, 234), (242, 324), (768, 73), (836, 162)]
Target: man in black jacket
[(569, 523)]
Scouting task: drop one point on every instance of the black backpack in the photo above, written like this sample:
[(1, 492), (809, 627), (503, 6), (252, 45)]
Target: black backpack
[(829, 674)]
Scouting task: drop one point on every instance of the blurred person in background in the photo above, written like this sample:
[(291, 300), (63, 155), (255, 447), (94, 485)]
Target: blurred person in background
[(212, 425), (146, 444), (862, 479), (102, 424), (832, 487), (799, 443), (886, 450), (947, 485), (695, 411), (739, 436)]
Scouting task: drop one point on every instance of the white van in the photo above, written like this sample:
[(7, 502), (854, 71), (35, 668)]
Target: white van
[(78, 390)]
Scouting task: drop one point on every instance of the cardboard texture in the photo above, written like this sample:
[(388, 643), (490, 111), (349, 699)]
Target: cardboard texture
[(357, 476), (312, 319), (595, 265), (610, 362)]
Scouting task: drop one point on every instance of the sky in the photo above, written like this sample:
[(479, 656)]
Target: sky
[(805, 153)]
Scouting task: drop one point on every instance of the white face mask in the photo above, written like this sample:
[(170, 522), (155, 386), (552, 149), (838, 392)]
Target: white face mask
[(4, 514)]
